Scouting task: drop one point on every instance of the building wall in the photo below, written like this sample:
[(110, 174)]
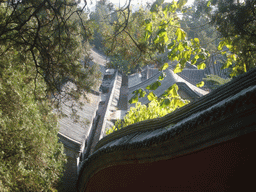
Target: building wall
[(71, 170), (228, 166)]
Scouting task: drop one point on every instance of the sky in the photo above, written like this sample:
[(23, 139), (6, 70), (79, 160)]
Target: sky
[(91, 3), (122, 2)]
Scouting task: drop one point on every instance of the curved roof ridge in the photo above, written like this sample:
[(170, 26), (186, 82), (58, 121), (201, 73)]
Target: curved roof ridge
[(170, 79), (133, 88), (199, 91), (193, 76)]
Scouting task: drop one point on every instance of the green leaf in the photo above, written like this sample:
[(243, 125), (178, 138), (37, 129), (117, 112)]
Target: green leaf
[(201, 84), (139, 92), (202, 55), (180, 47), (196, 57), (223, 52), (186, 55), (233, 57), (193, 61), (227, 64), (196, 40), (209, 3), (171, 45), (177, 69), (151, 96), (173, 90), (181, 3), (166, 38), (134, 99), (221, 44), (162, 76), (201, 66), (245, 70), (165, 66), (181, 35), (173, 7), (165, 103), (153, 86), (156, 40)]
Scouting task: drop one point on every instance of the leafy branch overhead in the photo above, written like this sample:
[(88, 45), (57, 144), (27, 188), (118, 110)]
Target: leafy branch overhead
[(133, 40), (235, 21), (162, 33)]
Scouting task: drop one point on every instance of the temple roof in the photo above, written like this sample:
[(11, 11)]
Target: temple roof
[(193, 76), (170, 79), (75, 133), (227, 112)]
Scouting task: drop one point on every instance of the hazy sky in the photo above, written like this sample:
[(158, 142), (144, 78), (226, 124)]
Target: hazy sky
[(91, 3), (122, 2)]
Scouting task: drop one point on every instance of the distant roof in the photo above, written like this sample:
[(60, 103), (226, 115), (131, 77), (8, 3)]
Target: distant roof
[(99, 58), (193, 76), (134, 79), (145, 73), (75, 133), (170, 79)]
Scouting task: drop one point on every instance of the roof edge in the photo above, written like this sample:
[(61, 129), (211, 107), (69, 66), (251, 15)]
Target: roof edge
[(227, 90), (223, 121)]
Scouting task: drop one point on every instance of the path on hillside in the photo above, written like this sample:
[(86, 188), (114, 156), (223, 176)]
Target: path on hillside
[(100, 59)]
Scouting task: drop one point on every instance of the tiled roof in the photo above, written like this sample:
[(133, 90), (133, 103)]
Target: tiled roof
[(74, 134), (134, 79), (78, 131), (193, 76), (168, 81)]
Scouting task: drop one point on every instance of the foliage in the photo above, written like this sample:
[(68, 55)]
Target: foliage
[(41, 45), (31, 159), (54, 34), (216, 80), (126, 49), (136, 39), (236, 23), (100, 23), (162, 33), (168, 34), (157, 107), (197, 24), (226, 15)]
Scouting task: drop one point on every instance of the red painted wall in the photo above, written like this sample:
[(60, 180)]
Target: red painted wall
[(229, 166)]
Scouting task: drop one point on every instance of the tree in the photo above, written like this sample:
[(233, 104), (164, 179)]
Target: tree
[(54, 34), (227, 15), (162, 33), (236, 23), (31, 159), (197, 25), (101, 21), (215, 80), (41, 45)]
